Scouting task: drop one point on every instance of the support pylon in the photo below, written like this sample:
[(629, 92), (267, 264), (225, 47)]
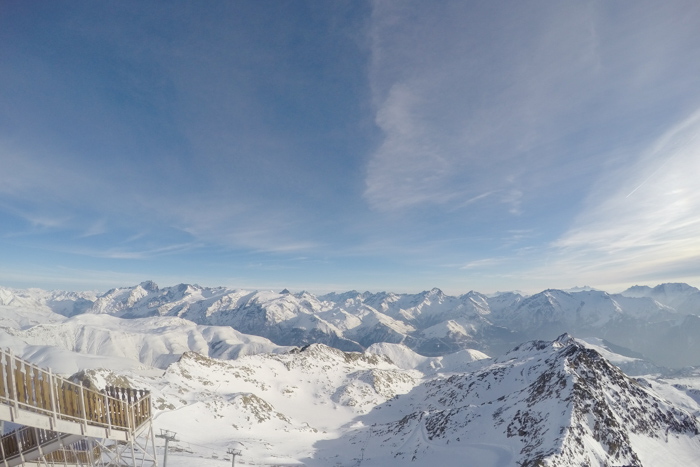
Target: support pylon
[(234, 453), (168, 436)]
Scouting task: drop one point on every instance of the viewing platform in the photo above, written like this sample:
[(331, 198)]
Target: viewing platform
[(64, 423)]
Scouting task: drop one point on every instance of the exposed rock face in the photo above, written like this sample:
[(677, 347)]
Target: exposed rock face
[(544, 403)]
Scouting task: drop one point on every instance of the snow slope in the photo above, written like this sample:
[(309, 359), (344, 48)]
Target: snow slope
[(83, 341)]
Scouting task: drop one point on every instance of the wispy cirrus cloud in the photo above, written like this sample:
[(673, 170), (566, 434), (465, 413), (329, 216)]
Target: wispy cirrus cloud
[(641, 221), (484, 263), (519, 101), (462, 108), (52, 194)]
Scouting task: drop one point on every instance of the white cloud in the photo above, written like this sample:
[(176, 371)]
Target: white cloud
[(408, 167), (234, 224), (642, 220), (484, 263), (518, 101)]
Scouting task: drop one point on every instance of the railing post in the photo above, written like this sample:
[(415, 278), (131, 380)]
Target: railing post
[(3, 371), (64, 452), (38, 442), (132, 409), (11, 382), (109, 415), (52, 396), (2, 449), (90, 451), (19, 445), (84, 411)]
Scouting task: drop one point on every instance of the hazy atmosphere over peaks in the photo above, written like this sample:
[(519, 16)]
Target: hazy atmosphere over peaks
[(394, 145)]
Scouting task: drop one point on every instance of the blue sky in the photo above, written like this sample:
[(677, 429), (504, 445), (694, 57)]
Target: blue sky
[(328, 146)]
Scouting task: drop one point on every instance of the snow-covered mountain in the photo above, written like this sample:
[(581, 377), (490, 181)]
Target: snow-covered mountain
[(544, 403), (562, 402), (85, 341), (642, 319), (681, 297)]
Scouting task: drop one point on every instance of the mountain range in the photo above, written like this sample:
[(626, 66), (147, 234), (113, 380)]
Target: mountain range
[(660, 323)]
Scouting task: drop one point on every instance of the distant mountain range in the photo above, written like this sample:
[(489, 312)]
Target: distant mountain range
[(659, 323)]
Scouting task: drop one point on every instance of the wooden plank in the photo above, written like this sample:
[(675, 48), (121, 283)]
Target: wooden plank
[(89, 404), (46, 391), (39, 385), (10, 445), (70, 390), (118, 412), (65, 399), (29, 385), (73, 400), (19, 379), (122, 413), (36, 380)]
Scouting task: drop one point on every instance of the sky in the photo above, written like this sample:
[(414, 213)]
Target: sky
[(368, 145)]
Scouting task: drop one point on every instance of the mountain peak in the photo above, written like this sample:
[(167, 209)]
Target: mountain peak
[(564, 339), (150, 286), (569, 407)]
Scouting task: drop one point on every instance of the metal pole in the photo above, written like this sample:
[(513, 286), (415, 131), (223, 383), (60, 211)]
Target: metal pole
[(233, 453), (168, 436), (165, 454)]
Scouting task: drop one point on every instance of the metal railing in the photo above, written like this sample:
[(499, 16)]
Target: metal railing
[(26, 439), (80, 453)]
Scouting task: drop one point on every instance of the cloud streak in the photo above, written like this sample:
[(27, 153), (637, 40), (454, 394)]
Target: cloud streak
[(642, 220), (462, 107)]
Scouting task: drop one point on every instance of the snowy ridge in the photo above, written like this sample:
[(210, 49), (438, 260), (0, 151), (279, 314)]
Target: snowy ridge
[(405, 358), (70, 344)]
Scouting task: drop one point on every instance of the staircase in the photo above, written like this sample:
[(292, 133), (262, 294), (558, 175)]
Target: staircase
[(55, 414)]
